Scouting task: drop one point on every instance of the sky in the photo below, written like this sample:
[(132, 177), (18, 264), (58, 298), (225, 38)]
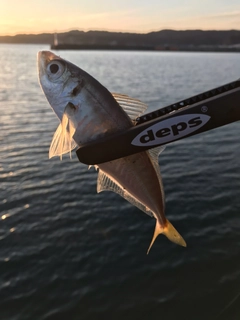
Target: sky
[(37, 16)]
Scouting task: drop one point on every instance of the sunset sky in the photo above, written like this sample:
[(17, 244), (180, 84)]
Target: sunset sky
[(36, 16)]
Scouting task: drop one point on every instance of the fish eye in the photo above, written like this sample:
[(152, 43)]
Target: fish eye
[(55, 70)]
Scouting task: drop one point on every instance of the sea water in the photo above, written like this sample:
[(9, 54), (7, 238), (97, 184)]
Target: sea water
[(68, 252)]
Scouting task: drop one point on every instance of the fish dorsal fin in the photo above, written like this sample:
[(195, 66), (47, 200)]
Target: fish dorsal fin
[(154, 154), (133, 107), (105, 183), (62, 141)]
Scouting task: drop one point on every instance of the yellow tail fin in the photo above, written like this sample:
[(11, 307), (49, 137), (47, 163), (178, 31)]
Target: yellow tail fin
[(170, 232)]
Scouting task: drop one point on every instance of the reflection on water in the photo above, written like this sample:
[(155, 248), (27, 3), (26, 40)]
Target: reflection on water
[(67, 251)]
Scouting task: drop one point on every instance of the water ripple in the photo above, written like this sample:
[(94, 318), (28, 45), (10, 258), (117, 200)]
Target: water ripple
[(67, 251)]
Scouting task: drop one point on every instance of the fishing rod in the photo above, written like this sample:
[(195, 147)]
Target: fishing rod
[(199, 113)]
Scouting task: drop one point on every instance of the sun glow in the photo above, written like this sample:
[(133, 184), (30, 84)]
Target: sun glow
[(27, 16)]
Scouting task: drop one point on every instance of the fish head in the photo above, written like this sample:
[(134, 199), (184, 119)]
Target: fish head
[(61, 81), (75, 94)]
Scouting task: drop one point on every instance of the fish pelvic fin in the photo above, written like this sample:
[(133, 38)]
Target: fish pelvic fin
[(170, 232)]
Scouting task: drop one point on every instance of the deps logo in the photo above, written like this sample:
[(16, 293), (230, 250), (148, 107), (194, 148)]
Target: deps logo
[(170, 129)]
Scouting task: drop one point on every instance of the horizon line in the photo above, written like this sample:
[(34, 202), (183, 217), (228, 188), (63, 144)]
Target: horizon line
[(110, 31)]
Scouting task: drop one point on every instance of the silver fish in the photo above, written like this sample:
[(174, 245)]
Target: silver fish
[(88, 111)]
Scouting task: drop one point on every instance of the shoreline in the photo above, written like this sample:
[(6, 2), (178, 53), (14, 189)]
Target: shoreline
[(145, 48)]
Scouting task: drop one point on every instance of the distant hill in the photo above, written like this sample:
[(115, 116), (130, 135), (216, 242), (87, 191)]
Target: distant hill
[(163, 38)]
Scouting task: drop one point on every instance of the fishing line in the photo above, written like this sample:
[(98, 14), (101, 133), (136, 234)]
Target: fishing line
[(228, 305)]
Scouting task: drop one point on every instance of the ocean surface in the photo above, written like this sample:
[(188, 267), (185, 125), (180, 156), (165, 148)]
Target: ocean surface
[(67, 252)]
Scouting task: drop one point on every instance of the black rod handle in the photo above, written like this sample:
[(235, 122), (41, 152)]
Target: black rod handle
[(209, 112)]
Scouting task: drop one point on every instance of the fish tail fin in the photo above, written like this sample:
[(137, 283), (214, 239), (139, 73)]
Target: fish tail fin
[(170, 232)]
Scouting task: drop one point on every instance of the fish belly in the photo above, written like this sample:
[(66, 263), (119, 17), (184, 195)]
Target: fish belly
[(136, 174)]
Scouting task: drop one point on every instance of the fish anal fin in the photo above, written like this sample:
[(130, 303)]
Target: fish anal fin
[(106, 183), (170, 232)]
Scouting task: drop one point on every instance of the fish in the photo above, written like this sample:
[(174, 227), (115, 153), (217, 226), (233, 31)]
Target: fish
[(87, 112)]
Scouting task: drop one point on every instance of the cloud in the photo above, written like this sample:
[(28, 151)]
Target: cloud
[(233, 14)]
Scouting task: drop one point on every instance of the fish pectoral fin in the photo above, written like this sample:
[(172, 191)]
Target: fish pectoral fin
[(56, 142), (62, 141), (170, 232)]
